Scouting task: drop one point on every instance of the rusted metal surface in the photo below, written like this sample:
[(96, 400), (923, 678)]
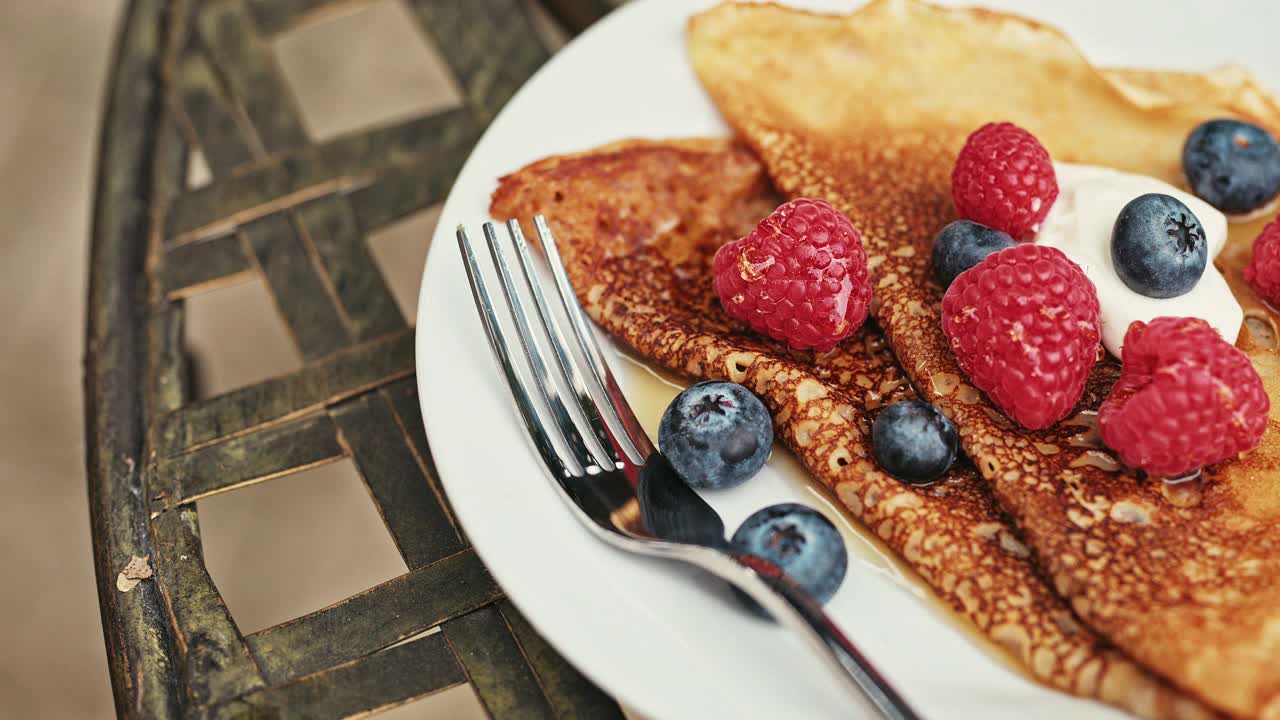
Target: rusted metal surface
[(192, 75)]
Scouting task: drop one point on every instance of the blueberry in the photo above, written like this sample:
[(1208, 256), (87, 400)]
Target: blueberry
[(716, 434), (801, 541), (914, 442), (1233, 165), (961, 245), (1158, 246)]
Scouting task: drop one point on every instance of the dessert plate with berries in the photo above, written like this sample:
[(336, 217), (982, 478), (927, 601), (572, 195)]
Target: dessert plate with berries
[(696, 269)]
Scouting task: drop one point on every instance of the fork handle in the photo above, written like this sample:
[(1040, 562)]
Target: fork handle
[(795, 609)]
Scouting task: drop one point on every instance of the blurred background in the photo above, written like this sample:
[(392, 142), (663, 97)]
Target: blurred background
[(276, 550), (53, 63)]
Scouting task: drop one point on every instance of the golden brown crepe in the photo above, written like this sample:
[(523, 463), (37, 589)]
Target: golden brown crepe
[(868, 111), (637, 224)]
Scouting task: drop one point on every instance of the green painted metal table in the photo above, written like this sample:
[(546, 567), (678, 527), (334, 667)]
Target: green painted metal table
[(193, 75)]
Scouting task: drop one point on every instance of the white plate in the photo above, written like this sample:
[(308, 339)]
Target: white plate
[(664, 641)]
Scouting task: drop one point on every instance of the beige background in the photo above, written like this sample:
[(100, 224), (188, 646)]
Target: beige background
[(52, 59), (276, 550)]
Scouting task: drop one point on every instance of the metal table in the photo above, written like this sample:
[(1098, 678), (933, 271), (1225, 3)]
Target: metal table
[(191, 74)]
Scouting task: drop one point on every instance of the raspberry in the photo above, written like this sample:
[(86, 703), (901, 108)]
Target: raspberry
[(1004, 179), (1263, 271), (1186, 398), (1024, 326), (799, 277)]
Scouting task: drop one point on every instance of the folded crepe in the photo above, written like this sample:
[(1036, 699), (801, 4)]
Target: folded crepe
[(637, 224), (868, 111)]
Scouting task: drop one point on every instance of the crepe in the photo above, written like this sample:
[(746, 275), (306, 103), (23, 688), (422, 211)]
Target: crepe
[(637, 224), (868, 111)]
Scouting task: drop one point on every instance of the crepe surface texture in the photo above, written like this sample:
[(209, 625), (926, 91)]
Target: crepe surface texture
[(637, 224), (868, 111)]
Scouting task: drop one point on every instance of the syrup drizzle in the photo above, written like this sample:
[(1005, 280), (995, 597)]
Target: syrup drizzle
[(1091, 437), (1184, 492), (650, 391), (1098, 459)]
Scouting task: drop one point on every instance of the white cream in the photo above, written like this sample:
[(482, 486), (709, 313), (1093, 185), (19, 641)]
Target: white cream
[(1079, 224)]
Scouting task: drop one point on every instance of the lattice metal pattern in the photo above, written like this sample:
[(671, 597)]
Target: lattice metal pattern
[(293, 214)]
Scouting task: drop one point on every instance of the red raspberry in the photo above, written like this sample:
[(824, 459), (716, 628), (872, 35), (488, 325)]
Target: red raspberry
[(1263, 271), (799, 277), (1004, 179), (1024, 325), (1186, 398)]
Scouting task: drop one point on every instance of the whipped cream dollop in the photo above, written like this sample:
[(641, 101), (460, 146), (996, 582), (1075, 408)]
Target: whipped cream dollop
[(1079, 224)]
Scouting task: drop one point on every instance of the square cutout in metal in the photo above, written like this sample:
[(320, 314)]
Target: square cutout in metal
[(198, 172), (237, 338), (400, 249), (369, 66), (457, 703), (293, 545)]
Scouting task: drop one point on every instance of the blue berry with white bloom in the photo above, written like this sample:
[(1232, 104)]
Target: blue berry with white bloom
[(914, 442), (801, 541), (716, 435), (1233, 165), (1158, 246), (961, 245)]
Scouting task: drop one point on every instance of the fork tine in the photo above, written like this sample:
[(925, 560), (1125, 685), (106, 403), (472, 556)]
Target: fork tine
[(597, 439), (502, 352), (619, 416), (542, 382)]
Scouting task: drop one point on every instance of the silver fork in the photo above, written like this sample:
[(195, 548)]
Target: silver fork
[(608, 471)]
